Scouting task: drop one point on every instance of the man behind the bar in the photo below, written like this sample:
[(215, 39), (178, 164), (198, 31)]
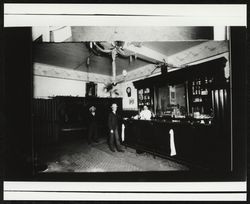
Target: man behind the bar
[(145, 113), (113, 124)]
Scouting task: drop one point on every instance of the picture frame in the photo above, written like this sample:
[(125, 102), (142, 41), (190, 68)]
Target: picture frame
[(91, 89)]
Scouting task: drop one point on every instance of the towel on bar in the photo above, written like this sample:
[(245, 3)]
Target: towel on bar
[(172, 145), (123, 134)]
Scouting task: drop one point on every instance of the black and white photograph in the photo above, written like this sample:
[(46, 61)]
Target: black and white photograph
[(182, 113), (140, 103)]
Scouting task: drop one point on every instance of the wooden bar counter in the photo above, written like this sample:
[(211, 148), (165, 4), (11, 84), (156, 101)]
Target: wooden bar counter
[(193, 141)]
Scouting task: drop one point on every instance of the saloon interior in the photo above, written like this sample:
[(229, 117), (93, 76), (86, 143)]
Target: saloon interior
[(182, 74)]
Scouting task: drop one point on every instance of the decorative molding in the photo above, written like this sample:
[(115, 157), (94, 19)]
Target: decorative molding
[(144, 71), (202, 52), (199, 52), (63, 73), (225, 54)]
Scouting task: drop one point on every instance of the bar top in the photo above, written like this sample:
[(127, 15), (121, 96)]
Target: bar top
[(189, 121)]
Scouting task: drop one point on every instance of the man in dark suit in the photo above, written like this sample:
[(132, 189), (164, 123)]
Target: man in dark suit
[(113, 124), (92, 131)]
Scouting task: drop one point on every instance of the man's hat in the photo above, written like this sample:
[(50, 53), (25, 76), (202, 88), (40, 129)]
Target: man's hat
[(114, 105), (92, 108)]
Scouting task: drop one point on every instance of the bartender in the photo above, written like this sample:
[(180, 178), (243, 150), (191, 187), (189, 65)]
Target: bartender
[(145, 114)]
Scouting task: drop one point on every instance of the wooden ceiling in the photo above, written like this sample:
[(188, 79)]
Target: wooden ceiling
[(74, 55)]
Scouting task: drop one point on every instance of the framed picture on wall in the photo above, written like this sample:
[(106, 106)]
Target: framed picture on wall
[(91, 89)]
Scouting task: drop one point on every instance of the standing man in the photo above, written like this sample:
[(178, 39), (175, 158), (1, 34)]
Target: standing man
[(92, 131), (114, 139)]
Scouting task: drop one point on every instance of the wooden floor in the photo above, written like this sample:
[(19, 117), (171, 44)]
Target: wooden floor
[(78, 156)]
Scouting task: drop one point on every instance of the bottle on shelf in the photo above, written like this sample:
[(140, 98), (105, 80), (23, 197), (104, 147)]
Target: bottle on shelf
[(202, 110), (198, 82), (206, 80), (193, 87)]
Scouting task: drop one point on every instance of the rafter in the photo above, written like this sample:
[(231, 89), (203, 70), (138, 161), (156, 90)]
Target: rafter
[(146, 53)]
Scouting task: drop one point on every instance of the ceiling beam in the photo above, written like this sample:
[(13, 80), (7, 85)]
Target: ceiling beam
[(146, 53)]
